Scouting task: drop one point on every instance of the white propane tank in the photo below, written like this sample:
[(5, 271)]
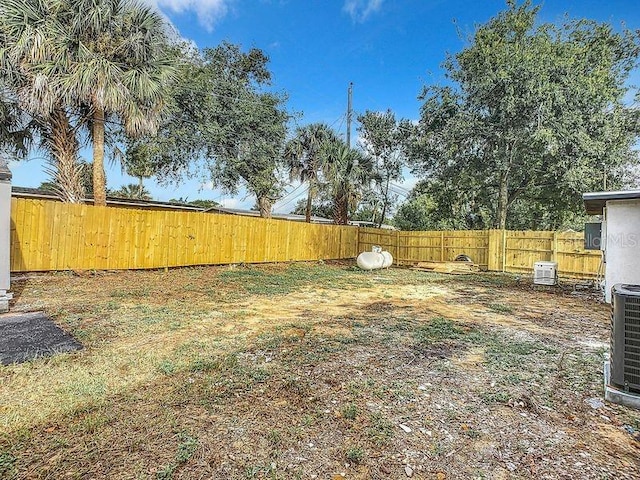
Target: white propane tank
[(388, 259), (370, 260)]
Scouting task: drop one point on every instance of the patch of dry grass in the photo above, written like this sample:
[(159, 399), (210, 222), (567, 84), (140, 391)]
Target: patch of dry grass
[(203, 373)]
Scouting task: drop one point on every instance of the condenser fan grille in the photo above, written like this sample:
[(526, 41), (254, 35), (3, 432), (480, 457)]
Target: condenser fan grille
[(632, 341)]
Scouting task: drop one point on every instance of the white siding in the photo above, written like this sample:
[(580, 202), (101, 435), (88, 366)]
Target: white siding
[(623, 243)]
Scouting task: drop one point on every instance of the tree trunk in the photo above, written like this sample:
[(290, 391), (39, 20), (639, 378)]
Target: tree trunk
[(307, 213), (503, 201), (264, 204), (63, 145), (140, 186), (341, 209), (99, 179), (384, 204)]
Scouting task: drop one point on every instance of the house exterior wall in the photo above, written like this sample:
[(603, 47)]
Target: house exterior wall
[(622, 251)]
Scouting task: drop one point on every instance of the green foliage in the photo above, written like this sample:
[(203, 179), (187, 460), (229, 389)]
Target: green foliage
[(438, 204), (204, 203), (221, 123), (350, 411), (304, 157), (437, 330), (99, 60), (320, 207), (7, 465), (354, 454), (348, 173), (380, 429), (533, 118), (381, 138), (501, 308), (133, 191), (15, 130), (186, 448)]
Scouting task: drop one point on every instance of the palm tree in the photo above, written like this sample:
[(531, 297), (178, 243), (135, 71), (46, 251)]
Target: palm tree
[(132, 190), (15, 135), (116, 64), (348, 173), (303, 156), (26, 28)]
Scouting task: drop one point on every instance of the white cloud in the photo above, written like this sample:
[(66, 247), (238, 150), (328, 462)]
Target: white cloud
[(208, 11), (360, 10)]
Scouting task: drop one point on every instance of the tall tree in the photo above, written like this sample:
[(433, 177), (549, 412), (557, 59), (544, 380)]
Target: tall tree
[(116, 61), (250, 147), (534, 113), (29, 96), (381, 138), (303, 157), (223, 125)]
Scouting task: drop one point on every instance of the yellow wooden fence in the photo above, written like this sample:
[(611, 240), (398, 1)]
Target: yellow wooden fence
[(48, 235), (494, 250)]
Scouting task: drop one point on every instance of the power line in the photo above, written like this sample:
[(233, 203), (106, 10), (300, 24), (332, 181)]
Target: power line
[(293, 199), (287, 195)]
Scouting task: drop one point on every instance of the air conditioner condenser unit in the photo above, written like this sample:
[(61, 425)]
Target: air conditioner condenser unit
[(625, 338)]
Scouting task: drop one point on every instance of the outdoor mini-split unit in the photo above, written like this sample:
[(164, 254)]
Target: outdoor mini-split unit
[(625, 338), (545, 273)]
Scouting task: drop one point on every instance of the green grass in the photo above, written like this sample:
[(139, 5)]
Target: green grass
[(437, 330), (256, 281), (506, 353), (186, 448), (7, 467), (354, 454), (500, 308), (380, 429), (350, 411)]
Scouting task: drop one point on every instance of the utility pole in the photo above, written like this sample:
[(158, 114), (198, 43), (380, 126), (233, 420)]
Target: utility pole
[(349, 113)]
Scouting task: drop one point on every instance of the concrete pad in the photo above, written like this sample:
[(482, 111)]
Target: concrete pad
[(25, 336), (615, 395)]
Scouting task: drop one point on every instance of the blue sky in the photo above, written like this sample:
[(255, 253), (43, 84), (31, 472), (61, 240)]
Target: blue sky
[(388, 49)]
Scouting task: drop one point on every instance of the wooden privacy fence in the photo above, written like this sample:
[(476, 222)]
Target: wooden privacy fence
[(494, 250), (49, 235)]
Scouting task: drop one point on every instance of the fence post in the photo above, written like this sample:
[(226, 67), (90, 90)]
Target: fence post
[(5, 235), (554, 254)]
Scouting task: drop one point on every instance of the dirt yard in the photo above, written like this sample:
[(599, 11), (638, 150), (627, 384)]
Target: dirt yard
[(314, 371)]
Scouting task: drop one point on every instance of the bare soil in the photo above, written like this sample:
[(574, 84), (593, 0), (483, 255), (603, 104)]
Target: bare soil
[(314, 371)]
